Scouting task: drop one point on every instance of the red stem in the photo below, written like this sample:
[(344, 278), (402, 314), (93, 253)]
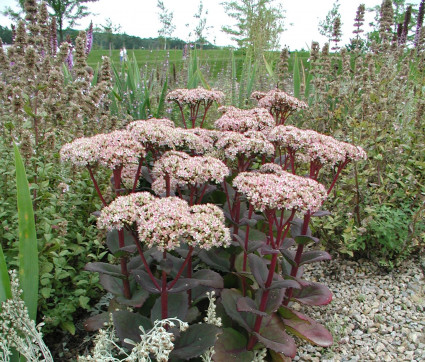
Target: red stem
[(96, 186), (164, 292), (145, 263), (182, 113), (136, 179), (340, 167), (188, 256), (245, 252)]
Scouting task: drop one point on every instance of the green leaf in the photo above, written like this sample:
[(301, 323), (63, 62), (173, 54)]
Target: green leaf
[(5, 292), (270, 70), (68, 326), (28, 252), (229, 299), (296, 77), (195, 341), (231, 347)]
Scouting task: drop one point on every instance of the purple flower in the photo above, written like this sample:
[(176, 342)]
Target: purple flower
[(89, 39)]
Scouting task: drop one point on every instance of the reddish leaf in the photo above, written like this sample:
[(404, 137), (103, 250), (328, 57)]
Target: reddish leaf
[(306, 328), (229, 299), (312, 293), (96, 322), (313, 256), (273, 335), (246, 304)]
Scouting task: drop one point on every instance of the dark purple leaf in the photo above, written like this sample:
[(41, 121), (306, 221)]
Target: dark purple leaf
[(195, 341), (289, 255), (177, 307), (111, 284), (306, 328), (112, 240), (127, 325), (216, 258), (312, 293), (284, 284), (313, 256), (182, 285), (321, 213), (96, 322), (268, 250), (231, 347), (209, 278), (287, 243), (296, 227), (138, 297), (273, 335), (258, 269), (229, 299), (145, 281), (104, 268), (274, 300), (246, 304)]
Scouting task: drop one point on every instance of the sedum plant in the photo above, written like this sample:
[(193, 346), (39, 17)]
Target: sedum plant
[(224, 211)]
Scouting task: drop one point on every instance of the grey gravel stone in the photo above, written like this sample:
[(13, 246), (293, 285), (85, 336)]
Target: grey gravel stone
[(374, 316)]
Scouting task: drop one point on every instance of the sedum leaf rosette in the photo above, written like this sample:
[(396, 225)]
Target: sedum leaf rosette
[(284, 191)]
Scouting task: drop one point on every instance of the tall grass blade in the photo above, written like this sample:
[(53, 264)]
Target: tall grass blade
[(269, 69), (234, 79), (28, 252), (296, 77), (5, 292), (161, 102)]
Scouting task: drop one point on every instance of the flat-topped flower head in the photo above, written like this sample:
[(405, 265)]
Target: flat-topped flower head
[(183, 171), (194, 96), (209, 136), (311, 146), (83, 151), (164, 223), (187, 140), (153, 134), (285, 191), (258, 95), (279, 104), (119, 148), (246, 145), (124, 210), (271, 168), (207, 228), (241, 120)]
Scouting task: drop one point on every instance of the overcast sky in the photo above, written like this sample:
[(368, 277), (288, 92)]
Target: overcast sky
[(140, 18)]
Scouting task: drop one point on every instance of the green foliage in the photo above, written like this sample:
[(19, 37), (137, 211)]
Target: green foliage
[(28, 248)]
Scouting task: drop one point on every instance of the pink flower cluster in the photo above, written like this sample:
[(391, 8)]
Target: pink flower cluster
[(158, 134), (112, 150), (241, 120), (167, 222), (284, 191), (119, 148), (124, 210), (251, 143), (279, 100), (207, 227), (184, 170), (314, 146), (272, 168), (194, 96)]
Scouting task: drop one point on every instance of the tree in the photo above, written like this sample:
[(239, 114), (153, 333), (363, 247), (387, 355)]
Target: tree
[(201, 27), (68, 11), (166, 18), (110, 30), (326, 26), (259, 24)]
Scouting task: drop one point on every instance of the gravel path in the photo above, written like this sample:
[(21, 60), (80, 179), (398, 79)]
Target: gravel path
[(374, 315)]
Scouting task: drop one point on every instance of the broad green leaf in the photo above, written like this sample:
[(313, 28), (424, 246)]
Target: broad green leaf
[(28, 252)]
